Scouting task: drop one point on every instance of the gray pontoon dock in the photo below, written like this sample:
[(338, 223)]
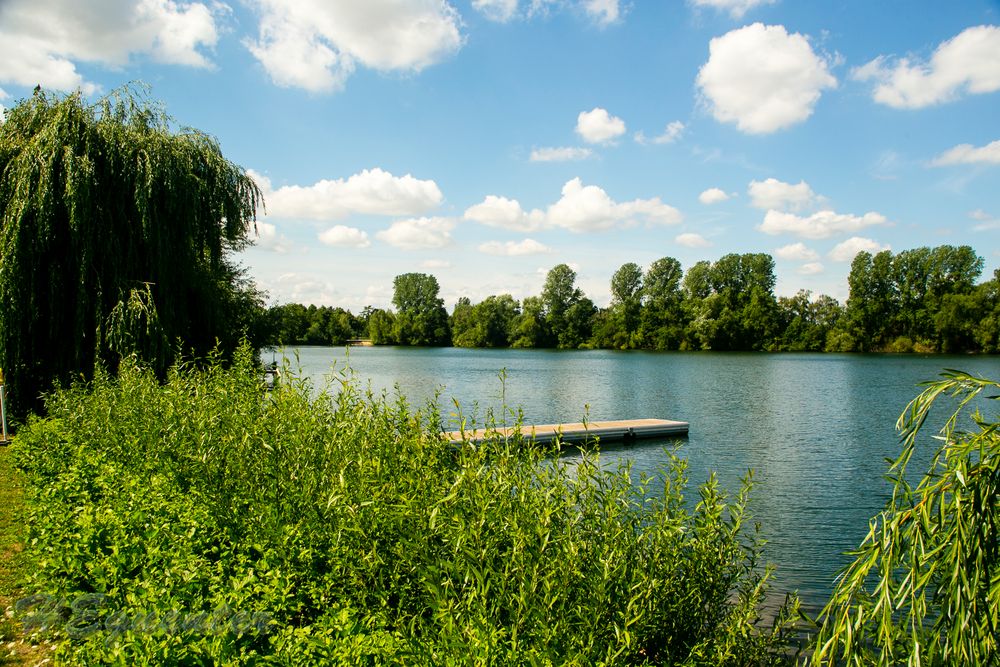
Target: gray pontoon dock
[(626, 429)]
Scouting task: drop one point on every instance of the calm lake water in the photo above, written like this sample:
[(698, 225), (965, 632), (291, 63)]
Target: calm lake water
[(815, 428)]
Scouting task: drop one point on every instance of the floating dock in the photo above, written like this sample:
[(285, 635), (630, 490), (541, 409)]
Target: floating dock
[(626, 429)]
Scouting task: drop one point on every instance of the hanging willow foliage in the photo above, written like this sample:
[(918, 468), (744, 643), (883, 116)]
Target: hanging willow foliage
[(924, 586), (96, 202)]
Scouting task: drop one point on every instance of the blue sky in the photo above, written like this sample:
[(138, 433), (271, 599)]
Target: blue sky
[(486, 141)]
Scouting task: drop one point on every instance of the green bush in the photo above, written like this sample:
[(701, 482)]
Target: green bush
[(202, 520), (902, 345)]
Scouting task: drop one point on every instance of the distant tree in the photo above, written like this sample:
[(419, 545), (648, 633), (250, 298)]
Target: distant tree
[(696, 290), (911, 272), (952, 282), (873, 304), (490, 323), (420, 318), (461, 321), (806, 323), (318, 332), (290, 322), (343, 326), (559, 295), (955, 322), (626, 305), (662, 320), (626, 284), (578, 324), (530, 329), (987, 326), (604, 329), (295, 324), (731, 303), (382, 327), (698, 281), (105, 209), (794, 313), (923, 298), (827, 314), (954, 270), (362, 321)]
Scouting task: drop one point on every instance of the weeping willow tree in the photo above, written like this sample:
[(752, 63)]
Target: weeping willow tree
[(116, 236), (924, 586)]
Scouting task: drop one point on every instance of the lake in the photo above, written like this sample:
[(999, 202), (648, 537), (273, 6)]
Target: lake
[(815, 428)]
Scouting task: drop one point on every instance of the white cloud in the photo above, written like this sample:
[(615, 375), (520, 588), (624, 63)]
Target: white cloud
[(340, 236), (819, 225), (671, 133), (797, 252), (373, 192), (736, 8), (987, 226), (810, 269), (967, 63), (262, 180), (886, 167), (986, 221), (435, 264), (43, 41), (581, 208), (588, 208), (302, 288), (543, 271), (268, 238), (505, 213), (603, 12), (562, 154), (713, 196), (775, 194), (969, 154), (597, 126), (692, 240), (418, 233), (496, 10), (845, 251), (514, 248), (762, 78), (315, 45)]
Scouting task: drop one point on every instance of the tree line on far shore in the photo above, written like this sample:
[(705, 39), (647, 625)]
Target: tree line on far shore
[(919, 300)]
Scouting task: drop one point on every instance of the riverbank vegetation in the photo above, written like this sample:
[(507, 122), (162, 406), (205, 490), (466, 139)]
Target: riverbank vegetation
[(920, 300), (199, 520)]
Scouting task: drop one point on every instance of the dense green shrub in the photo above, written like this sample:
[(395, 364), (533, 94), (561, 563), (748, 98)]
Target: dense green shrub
[(201, 520)]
